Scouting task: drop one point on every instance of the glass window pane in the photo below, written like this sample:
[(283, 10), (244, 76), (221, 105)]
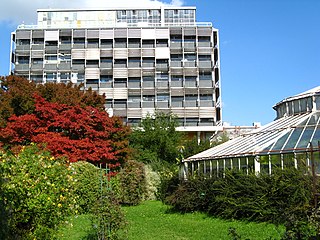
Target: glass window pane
[(302, 161), (288, 160), (316, 137), (275, 161), (264, 164), (306, 137), (293, 138), (280, 142)]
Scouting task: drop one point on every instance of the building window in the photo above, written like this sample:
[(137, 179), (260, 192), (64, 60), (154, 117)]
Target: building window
[(38, 41), (120, 43)]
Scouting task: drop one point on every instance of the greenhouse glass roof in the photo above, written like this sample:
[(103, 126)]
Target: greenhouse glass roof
[(296, 128)]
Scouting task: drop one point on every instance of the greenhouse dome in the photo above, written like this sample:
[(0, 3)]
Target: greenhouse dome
[(291, 140)]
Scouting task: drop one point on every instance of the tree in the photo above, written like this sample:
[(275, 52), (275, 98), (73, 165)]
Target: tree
[(78, 133), (16, 96), (156, 140)]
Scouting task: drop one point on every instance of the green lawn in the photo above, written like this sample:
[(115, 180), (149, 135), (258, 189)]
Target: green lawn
[(151, 220)]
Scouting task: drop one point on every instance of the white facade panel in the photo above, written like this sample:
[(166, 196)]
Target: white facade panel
[(148, 33), (134, 113), (78, 53), (120, 93), (134, 33), (92, 73), (106, 34), (162, 33), (51, 35), (121, 53), (146, 111), (207, 112), (162, 53), (107, 91), (120, 73), (93, 54)]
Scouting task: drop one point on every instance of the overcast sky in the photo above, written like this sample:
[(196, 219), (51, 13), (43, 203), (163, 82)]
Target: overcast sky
[(12, 11)]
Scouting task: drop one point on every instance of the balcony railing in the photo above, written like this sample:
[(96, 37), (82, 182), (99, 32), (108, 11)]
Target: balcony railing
[(106, 24)]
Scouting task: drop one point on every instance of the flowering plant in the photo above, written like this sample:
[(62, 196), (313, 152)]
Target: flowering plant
[(36, 193)]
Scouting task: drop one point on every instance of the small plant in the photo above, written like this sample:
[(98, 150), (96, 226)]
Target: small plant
[(232, 232), (108, 219)]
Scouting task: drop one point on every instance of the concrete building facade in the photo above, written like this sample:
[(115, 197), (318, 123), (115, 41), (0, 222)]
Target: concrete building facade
[(142, 59)]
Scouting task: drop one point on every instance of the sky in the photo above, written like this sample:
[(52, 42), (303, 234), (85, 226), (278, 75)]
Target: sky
[(269, 49)]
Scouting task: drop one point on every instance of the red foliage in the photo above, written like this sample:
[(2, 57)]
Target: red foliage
[(79, 133)]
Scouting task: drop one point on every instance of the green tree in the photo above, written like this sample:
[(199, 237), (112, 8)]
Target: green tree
[(156, 140)]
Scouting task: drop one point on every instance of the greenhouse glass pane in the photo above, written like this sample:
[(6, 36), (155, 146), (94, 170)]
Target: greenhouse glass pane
[(288, 160), (296, 106), (201, 168), (228, 163), (243, 164), (293, 138), (317, 162), (318, 103), (302, 161), (275, 161), (251, 164), (316, 137), (306, 137), (313, 120), (303, 105), (235, 163), (279, 144), (265, 150), (207, 165), (220, 168), (309, 103), (290, 108), (264, 164), (214, 168)]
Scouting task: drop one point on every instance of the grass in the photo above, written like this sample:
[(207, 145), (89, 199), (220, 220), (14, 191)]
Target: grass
[(76, 228), (151, 220)]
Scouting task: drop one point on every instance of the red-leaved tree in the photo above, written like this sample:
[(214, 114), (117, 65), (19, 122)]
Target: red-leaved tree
[(79, 133)]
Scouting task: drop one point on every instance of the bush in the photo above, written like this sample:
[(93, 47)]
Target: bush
[(152, 183), (132, 183), (108, 219), (284, 195), (88, 185), (169, 182), (36, 194)]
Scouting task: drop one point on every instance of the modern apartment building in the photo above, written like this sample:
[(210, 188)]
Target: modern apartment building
[(142, 59)]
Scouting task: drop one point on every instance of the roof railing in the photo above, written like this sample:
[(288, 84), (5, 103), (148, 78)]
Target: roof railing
[(123, 25)]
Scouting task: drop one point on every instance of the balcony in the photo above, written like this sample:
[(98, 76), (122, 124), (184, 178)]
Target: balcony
[(65, 46), (148, 104), (21, 67), (162, 104), (134, 104), (205, 64), (36, 66), (64, 66), (206, 103), (205, 83)]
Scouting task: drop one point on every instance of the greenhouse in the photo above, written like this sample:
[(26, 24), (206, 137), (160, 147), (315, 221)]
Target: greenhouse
[(291, 140)]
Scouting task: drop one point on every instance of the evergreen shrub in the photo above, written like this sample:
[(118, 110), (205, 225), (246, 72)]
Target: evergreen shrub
[(276, 198)]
